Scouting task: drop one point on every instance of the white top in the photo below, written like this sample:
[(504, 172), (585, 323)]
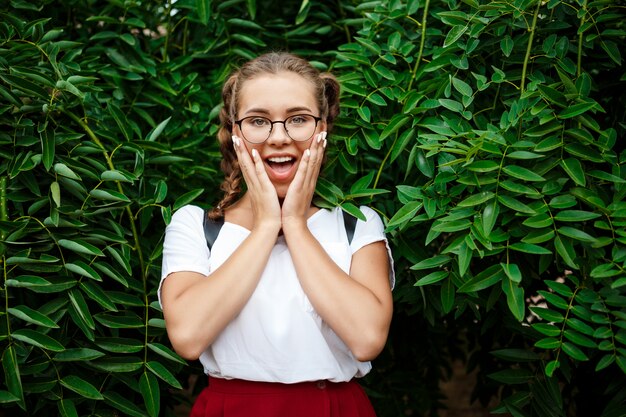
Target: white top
[(278, 336)]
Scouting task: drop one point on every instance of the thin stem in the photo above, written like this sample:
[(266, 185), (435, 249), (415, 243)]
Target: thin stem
[(97, 141), (4, 216), (422, 41), (580, 41), (529, 48)]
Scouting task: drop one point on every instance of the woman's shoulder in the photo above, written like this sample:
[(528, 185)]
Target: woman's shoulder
[(188, 214)]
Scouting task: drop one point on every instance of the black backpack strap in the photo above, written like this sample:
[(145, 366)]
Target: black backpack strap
[(211, 229), (349, 221)]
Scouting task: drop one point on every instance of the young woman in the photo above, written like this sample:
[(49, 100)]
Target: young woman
[(283, 310)]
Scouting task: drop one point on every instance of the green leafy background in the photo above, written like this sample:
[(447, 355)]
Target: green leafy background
[(488, 135)]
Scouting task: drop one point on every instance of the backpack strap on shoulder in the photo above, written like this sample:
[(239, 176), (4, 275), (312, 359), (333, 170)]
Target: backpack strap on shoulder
[(211, 228), (349, 221)]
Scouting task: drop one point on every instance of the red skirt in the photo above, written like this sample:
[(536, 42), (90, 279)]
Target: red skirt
[(239, 398)]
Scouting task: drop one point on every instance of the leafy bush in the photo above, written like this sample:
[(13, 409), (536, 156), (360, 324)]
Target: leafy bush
[(486, 134)]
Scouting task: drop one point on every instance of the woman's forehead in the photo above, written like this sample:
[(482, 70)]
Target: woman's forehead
[(285, 91)]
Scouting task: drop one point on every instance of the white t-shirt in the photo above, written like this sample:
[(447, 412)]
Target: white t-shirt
[(278, 336)]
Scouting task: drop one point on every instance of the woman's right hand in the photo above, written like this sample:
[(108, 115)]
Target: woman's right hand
[(262, 193)]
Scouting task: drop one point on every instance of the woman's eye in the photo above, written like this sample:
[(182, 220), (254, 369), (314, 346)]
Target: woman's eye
[(297, 120), (258, 122)]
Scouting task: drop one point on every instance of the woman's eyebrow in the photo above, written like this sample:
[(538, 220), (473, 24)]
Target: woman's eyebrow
[(289, 110)]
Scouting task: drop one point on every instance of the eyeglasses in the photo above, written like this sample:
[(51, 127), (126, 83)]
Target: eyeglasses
[(257, 129)]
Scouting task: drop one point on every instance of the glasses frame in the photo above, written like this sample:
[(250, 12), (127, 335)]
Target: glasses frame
[(273, 122)]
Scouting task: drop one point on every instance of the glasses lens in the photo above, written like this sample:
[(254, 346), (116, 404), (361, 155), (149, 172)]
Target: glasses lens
[(300, 127), (256, 129)]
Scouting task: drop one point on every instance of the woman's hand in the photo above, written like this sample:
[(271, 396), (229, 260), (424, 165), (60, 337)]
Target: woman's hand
[(262, 193), (300, 192)]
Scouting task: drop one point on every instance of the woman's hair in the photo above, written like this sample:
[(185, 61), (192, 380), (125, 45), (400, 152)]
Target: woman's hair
[(326, 91)]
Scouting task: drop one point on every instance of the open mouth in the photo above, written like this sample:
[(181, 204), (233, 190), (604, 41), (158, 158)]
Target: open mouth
[(280, 164)]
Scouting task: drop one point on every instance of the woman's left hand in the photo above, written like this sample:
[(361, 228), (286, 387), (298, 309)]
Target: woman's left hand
[(300, 192)]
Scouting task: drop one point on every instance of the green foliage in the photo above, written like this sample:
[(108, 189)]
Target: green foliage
[(486, 134)]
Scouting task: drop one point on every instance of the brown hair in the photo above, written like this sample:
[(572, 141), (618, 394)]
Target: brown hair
[(326, 89)]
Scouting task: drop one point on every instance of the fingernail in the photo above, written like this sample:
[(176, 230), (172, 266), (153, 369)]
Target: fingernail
[(325, 142), (234, 138), (319, 137), (307, 153), (254, 153)]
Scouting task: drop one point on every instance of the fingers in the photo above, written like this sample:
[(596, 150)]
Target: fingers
[(245, 163), (315, 158)]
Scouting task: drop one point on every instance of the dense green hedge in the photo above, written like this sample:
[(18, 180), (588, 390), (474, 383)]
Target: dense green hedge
[(487, 134)]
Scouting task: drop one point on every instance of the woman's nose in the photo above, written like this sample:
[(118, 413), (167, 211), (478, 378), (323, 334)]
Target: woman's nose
[(279, 134)]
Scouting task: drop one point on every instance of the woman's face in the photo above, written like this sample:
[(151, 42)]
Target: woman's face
[(277, 97)]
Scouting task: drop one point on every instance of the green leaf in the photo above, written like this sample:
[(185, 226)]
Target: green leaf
[(55, 191), (65, 171), (575, 216), (165, 352), (530, 248), (32, 316), (406, 213), (35, 338), (78, 354), (554, 299), (433, 262), (454, 34), (394, 124), (574, 352), (159, 370), (81, 387), (432, 278), (47, 148), (515, 298), (81, 268), (77, 301), (547, 329), (565, 249), (547, 314), (605, 362), (120, 345), (203, 8), (548, 343), (579, 339), (187, 198), (447, 296), (118, 401), (576, 234), (129, 320), (514, 204), (515, 355), (12, 376), (353, 210), (512, 376), (512, 271), (80, 246), (485, 279), (551, 367), (574, 169), (522, 173), (109, 195), (462, 87), (67, 408), (490, 216), (149, 388), (476, 199), (506, 45), (577, 109), (6, 397)]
